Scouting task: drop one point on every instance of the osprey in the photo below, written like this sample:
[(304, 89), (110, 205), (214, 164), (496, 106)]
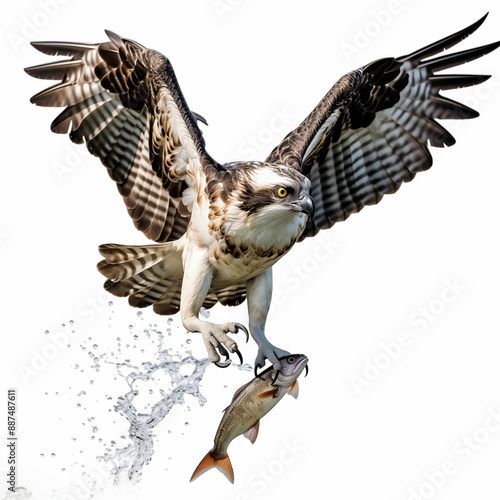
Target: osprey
[(220, 228)]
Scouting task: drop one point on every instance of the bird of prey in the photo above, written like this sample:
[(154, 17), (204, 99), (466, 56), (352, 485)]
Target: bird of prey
[(219, 228)]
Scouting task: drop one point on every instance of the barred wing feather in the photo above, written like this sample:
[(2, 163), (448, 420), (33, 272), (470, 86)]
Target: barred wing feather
[(123, 101), (371, 131)]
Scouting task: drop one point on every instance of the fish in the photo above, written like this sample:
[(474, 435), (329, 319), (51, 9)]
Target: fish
[(250, 403)]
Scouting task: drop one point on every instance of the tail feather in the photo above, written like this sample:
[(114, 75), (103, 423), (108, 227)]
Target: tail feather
[(150, 274), (121, 262), (208, 462)]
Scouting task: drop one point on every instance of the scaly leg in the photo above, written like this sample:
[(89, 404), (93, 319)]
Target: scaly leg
[(259, 293), (195, 286)]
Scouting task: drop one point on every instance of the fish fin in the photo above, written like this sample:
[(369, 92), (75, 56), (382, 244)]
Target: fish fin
[(223, 464), (253, 432), (239, 390), (268, 394), (294, 390)]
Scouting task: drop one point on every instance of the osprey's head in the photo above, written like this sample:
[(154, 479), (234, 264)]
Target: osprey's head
[(272, 202), (275, 190)]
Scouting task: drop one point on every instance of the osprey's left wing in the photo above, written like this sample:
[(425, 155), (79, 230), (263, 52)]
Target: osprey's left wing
[(123, 101), (369, 134)]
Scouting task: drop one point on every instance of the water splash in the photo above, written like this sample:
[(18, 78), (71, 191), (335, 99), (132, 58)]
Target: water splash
[(133, 457), (19, 493), (129, 380), (183, 372)]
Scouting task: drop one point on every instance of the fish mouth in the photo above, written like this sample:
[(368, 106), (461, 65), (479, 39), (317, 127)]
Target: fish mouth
[(301, 364)]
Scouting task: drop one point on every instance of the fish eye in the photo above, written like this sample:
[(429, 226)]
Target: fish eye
[(281, 192), (291, 359)]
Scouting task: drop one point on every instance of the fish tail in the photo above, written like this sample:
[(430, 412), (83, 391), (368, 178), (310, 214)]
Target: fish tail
[(223, 464)]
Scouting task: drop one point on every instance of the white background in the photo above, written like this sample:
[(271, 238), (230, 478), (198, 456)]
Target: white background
[(248, 68)]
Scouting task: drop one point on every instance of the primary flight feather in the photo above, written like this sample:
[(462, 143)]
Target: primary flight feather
[(220, 228)]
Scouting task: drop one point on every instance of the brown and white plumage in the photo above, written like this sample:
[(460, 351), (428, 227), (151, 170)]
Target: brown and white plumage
[(220, 228), (371, 131)]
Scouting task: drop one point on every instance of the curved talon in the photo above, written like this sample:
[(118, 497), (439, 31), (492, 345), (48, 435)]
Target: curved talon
[(307, 371), (255, 368), (223, 364), (226, 362), (275, 377), (239, 356), (239, 327)]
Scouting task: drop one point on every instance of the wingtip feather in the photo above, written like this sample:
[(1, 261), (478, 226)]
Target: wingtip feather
[(114, 37), (444, 43)]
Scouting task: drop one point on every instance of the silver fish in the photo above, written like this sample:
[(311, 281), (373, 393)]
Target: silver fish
[(250, 403)]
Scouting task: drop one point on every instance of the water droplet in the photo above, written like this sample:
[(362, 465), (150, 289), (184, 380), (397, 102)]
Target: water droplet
[(42, 455), (52, 454), (188, 341), (110, 303), (204, 313), (95, 346)]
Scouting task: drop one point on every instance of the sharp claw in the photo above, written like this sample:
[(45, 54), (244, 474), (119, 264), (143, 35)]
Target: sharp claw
[(256, 367), (239, 356), (275, 377), (223, 364), (307, 371), (239, 327)]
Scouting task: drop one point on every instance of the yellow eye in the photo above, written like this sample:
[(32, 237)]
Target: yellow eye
[(281, 192)]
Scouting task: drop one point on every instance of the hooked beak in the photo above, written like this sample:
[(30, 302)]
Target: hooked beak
[(307, 205)]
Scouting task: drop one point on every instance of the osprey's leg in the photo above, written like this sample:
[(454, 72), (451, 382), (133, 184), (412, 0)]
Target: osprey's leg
[(259, 293), (195, 286)]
